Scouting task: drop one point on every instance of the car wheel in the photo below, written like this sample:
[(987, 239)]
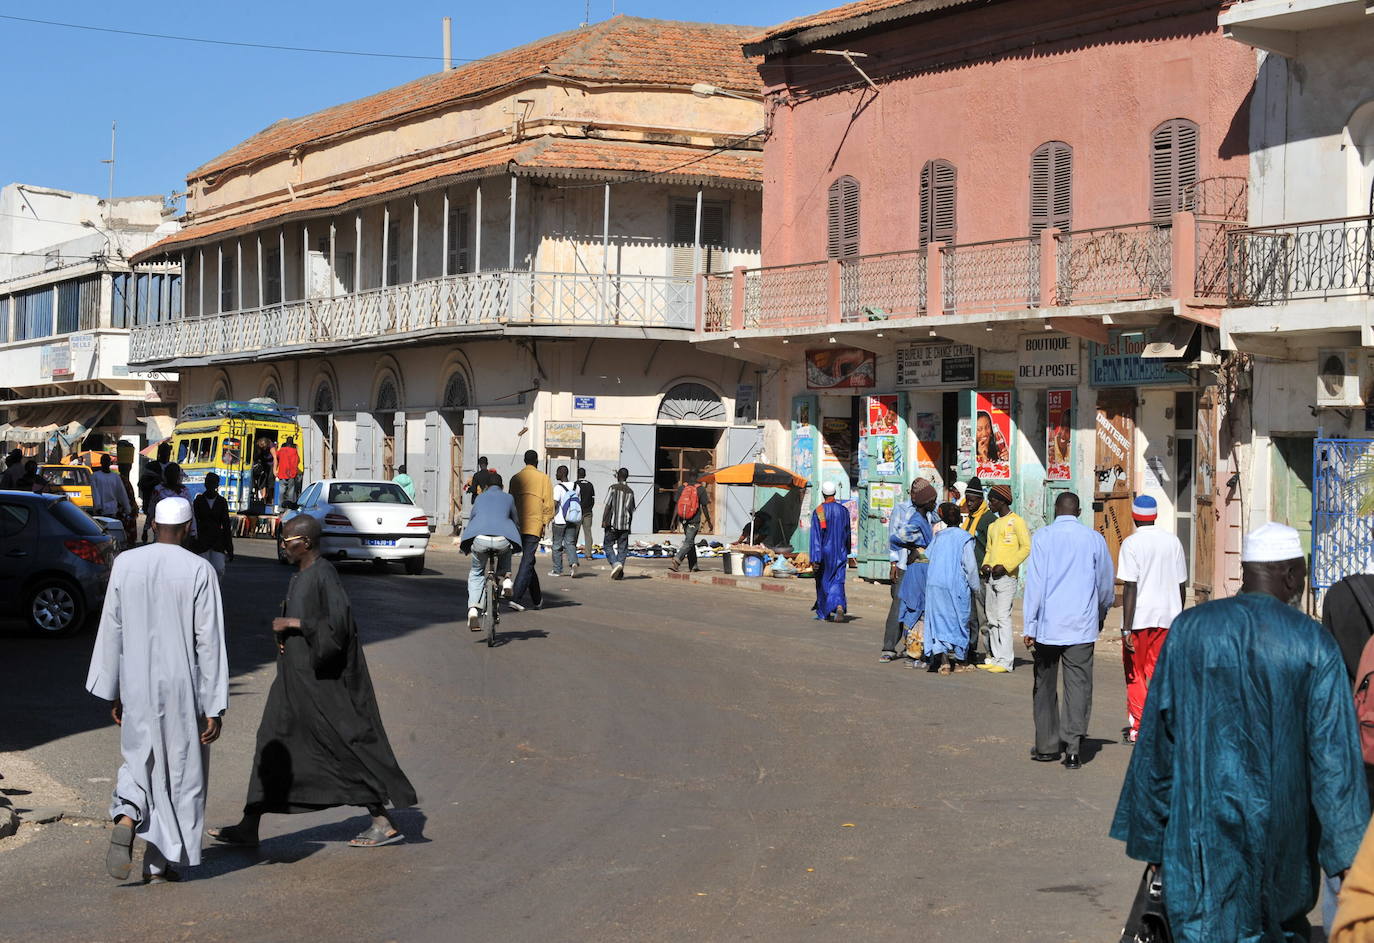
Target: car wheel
[(56, 608), (415, 565)]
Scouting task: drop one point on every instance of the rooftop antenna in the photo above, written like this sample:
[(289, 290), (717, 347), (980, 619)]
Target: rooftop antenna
[(448, 44), (587, 12), (109, 203)]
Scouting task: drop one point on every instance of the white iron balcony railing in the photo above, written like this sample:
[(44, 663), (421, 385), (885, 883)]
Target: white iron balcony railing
[(496, 298), (1329, 258)]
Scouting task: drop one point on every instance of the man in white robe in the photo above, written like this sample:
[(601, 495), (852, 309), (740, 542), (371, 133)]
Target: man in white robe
[(159, 656)]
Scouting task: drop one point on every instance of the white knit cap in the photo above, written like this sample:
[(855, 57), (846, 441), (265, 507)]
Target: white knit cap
[(828, 489), (1270, 543), (173, 511)]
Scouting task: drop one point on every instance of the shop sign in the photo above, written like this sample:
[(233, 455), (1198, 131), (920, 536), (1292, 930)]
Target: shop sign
[(1048, 359), (1058, 434), (562, 435), (997, 379), (744, 404), (923, 366), (1118, 363), (841, 368), (992, 435), (82, 341), (584, 402), (55, 360)]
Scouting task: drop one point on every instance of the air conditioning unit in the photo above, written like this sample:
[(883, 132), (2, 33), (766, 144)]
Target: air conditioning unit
[(1338, 378)]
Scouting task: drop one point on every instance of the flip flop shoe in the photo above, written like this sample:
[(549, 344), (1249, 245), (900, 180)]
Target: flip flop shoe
[(375, 837), (119, 858)]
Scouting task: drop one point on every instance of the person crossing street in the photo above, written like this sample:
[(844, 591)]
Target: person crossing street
[(617, 520)]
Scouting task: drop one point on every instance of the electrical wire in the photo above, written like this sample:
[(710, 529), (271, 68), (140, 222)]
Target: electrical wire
[(637, 175)]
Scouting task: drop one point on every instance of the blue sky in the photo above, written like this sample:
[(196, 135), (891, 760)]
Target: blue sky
[(179, 103)]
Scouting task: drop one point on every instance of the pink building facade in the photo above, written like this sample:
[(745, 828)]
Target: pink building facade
[(993, 242)]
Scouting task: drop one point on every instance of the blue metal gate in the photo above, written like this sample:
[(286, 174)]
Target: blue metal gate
[(1342, 537)]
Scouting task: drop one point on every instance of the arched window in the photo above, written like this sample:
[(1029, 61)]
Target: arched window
[(939, 189), (388, 400), (324, 398), (270, 392), (221, 392), (1173, 168), (1051, 187), (456, 391), (842, 219), (692, 401)]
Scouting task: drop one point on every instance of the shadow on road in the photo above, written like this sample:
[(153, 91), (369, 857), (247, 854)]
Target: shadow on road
[(505, 638)]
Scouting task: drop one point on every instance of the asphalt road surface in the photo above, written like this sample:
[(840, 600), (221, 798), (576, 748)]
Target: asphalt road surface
[(641, 760)]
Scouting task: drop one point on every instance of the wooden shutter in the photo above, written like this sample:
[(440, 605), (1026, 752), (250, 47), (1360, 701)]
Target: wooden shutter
[(939, 182), (459, 244), (1051, 187), (842, 214), (1173, 168), (714, 217)]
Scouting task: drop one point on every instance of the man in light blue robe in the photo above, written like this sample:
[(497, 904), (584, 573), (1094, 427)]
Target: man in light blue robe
[(830, 555), (952, 579), (1247, 777)]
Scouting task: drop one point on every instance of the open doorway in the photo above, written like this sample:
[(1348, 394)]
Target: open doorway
[(681, 451)]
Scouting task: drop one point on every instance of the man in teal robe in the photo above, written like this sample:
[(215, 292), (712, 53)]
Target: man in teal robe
[(1247, 775)]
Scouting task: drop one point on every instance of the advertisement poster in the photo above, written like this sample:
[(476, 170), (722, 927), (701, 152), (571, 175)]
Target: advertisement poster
[(992, 435), (886, 457), (882, 415), (802, 420), (837, 450), (928, 446), (1058, 434), (841, 368)]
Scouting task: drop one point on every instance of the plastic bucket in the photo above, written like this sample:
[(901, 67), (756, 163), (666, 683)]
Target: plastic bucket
[(753, 565)]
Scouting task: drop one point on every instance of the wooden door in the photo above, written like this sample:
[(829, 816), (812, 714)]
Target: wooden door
[(455, 482), (1204, 497), (1114, 467)]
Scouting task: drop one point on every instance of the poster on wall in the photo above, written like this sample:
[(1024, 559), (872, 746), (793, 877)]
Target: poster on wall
[(838, 459), (887, 461), (801, 420), (992, 435), (928, 445), (882, 415), (841, 368), (1058, 434)]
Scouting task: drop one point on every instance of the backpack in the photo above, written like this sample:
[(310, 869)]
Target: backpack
[(688, 503), (572, 507), (1364, 677)]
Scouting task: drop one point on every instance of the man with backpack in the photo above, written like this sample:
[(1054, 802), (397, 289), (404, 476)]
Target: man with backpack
[(587, 497), (567, 518), (689, 510)]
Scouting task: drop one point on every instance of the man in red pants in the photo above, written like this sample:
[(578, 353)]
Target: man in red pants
[(1155, 573)]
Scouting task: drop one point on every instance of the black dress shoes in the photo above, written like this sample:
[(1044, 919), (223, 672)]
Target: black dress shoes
[(1044, 757), (1071, 761)]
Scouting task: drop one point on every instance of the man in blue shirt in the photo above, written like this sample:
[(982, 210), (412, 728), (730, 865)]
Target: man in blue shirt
[(908, 529), (1069, 588)]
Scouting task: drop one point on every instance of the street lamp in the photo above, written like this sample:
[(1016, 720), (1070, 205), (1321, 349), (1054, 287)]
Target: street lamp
[(706, 90), (104, 235)]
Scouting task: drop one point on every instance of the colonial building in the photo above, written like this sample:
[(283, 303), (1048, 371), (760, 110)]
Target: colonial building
[(486, 260), (993, 244), (68, 298), (1302, 319)]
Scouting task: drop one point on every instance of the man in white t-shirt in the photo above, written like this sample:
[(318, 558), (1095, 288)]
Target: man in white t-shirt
[(1155, 573)]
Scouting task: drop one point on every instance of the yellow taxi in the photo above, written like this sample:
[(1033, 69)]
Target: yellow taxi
[(72, 480)]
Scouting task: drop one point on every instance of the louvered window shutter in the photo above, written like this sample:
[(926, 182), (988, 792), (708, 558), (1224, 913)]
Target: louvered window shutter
[(842, 218), (1051, 187), (1173, 168), (714, 216), (684, 235), (939, 197)]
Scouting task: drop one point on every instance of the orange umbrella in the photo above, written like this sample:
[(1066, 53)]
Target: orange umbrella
[(756, 473)]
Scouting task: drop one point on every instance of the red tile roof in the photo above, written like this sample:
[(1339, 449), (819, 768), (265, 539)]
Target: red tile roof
[(622, 49), (862, 13), (547, 156)]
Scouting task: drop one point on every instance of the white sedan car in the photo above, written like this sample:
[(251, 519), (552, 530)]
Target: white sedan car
[(365, 520)]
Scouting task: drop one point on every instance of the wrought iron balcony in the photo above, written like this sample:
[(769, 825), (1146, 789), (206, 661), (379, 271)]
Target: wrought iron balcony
[(1135, 262), (500, 298), (1329, 258)]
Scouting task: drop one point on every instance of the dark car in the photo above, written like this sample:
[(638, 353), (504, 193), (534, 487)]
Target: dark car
[(54, 562)]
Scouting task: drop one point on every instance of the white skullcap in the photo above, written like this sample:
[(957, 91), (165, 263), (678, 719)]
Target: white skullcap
[(828, 489), (173, 511), (961, 487), (1269, 544)]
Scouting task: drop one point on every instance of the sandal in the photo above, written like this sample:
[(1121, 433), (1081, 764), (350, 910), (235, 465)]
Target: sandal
[(119, 860), (168, 876), (230, 835), (375, 837)]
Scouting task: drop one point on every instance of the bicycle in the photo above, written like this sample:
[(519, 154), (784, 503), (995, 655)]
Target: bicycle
[(491, 600)]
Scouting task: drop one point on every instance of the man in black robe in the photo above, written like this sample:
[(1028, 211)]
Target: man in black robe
[(321, 742)]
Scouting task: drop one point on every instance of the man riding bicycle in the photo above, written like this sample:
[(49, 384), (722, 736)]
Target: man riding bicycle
[(493, 530)]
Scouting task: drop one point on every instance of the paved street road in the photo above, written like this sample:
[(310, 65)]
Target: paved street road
[(643, 760)]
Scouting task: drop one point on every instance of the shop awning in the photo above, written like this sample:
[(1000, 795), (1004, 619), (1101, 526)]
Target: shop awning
[(70, 423)]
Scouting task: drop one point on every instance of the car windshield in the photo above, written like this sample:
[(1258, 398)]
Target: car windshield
[(74, 519), (360, 492), (67, 476)]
